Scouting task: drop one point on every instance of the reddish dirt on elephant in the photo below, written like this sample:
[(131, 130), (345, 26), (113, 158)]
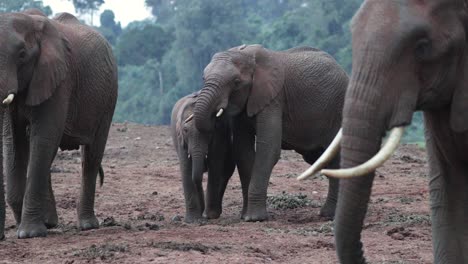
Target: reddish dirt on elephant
[(141, 210)]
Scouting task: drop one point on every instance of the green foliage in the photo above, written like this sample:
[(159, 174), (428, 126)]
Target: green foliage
[(142, 41), (163, 59), (20, 5), (87, 6), (109, 28)]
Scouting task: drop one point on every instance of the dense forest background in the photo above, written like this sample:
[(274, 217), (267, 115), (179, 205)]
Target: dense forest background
[(162, 59)]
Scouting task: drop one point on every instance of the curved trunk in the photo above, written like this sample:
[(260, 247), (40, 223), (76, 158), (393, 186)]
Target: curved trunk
[(205, 108), (362, 133), (198, 167)]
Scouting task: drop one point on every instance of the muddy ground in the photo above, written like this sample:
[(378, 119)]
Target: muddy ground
[(141, 207)]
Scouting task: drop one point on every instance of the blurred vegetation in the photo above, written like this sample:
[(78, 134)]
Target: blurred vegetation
[(162, 59)]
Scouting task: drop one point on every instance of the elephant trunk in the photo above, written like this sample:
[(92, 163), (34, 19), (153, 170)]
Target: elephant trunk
[(205, 107), (198, 168), (362, 135)]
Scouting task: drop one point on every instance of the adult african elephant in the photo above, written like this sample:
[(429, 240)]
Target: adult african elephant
[(200, 152), (59, 80), (290, 99), (407, 56)]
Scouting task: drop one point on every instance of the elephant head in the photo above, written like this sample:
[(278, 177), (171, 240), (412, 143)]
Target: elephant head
[(242, 78), (33, 57), (407, 56)]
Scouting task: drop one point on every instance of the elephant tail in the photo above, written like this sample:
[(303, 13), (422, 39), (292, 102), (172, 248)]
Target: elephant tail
[(101, 175)]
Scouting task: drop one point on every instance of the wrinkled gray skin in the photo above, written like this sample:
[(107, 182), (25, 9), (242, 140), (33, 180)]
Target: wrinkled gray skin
[(199, 153), (65, 80), (279, 99), (409, 55), (2, 187)]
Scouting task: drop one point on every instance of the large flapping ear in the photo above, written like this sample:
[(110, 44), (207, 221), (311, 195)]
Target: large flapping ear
[(459, 108), (51, 66), (268, 78), (184, 120)]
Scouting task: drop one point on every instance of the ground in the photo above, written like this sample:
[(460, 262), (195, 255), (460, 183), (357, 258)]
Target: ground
[(141, 206)]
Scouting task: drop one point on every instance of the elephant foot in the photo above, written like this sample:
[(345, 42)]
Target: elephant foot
[(212, 213), (51, 219), (256, 215), (32, 230), (328, 210), (193, 218), (243, 212), (88, 223)]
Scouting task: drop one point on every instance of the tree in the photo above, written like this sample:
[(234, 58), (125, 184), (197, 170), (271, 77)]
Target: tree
[(20, 5), (87, 7), (141, 41), (109, 28)]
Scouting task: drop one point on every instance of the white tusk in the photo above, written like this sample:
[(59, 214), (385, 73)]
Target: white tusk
[(188, 118), (371, 165), (220, 112), (326, 157), (9, 99), (188, 156)]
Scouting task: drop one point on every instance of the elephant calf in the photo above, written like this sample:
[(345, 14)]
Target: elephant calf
[(200, 152), (289, 99)]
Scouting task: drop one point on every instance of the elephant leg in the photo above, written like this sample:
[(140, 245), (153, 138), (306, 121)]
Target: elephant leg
[(2, 187), (193, 208), (219, 174), (244, 156), (328, 208), (268, 151), (42, 153), (91, 156), (50, 217), (449, 209), (46, 130), (16, 151)]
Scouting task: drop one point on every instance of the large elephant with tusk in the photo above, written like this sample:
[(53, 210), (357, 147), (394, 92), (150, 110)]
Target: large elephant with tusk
[(58, 84), (198, 153), (415, 59), (288, 99)]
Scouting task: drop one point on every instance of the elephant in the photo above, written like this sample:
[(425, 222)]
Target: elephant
[(198, 153), (288, 99), (58, 85), (416, 59)]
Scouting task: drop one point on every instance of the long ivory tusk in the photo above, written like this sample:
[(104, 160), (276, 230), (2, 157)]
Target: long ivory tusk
[(220, 112), (371, 165), (9, 99), (326, 157), (188, 118)]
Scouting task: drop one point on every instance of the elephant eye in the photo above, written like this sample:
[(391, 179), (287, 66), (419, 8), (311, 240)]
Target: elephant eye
[(237, 81), (423, 49)]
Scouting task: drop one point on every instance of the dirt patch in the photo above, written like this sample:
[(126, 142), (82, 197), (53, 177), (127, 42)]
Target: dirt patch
[(141, 207)]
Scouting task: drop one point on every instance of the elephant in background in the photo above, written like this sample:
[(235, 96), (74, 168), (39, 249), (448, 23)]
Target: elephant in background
[(198, 153), (415, 59), (278, 99), (58, 78)]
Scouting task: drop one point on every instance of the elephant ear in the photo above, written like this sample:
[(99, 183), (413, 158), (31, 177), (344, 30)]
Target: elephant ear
[(185, 120), (459, 108), (51, 66), (268, 79)]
